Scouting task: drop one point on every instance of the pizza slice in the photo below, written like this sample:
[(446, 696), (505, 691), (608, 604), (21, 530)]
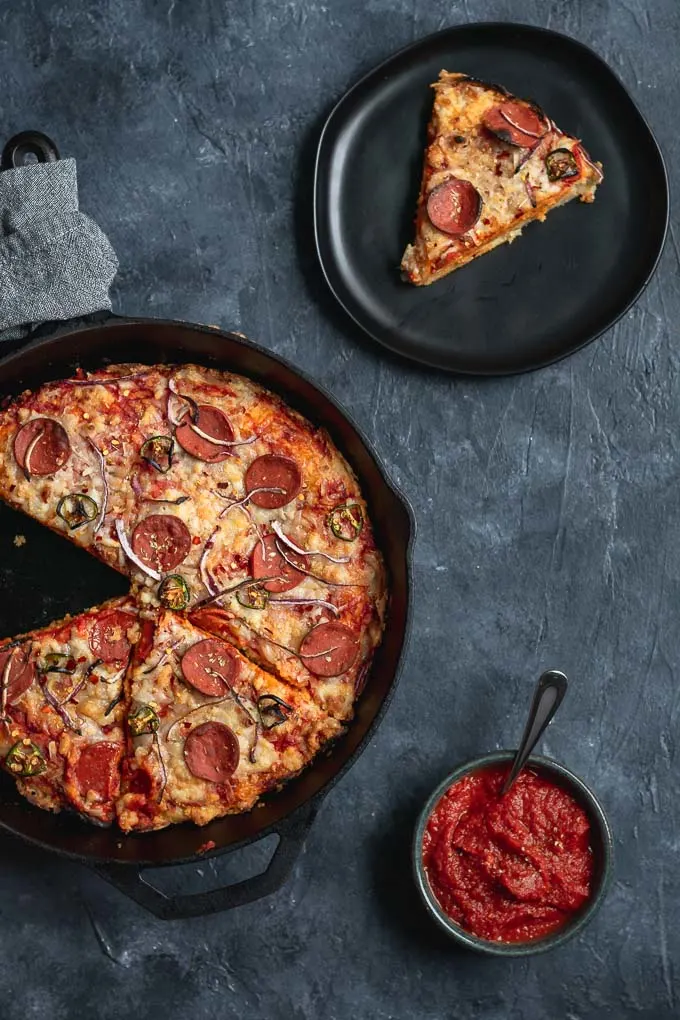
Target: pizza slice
[(327, 655), (277, 471), (307, 601), (209, 732), (61, 688), (493, 164)]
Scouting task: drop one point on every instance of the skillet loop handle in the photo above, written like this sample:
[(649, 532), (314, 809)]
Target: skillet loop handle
[(26, 148), (292, 833)]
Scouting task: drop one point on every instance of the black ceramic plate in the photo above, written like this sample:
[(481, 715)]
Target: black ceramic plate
[(563, 282)]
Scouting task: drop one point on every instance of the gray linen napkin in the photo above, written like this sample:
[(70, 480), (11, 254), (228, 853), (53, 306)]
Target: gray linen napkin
[(55, 262)]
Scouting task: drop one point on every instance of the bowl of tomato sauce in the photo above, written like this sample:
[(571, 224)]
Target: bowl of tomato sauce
[(512, 874)]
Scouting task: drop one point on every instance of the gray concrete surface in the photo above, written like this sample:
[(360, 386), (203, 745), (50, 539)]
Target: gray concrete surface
[(548, 507)]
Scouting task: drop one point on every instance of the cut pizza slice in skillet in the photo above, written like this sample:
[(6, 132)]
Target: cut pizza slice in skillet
[(494, 163), (208, 731), (61, 713)]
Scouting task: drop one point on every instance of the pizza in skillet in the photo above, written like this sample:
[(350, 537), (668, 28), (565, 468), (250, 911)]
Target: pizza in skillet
[(230, 513), (493, 164), (61, 735)]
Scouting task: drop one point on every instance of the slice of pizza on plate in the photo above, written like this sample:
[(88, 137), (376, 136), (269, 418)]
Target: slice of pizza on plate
[(61, 717), (208, 731), (493, 164)]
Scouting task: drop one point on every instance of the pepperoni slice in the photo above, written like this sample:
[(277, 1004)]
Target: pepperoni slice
[(20, 675), (273, 472), (210, 666), (215, 424), (515, 123), (454, 206), (211, 752), (268, 562), (161, 542), (108, 637), (97, 769), (145, 643), (46, 443), (329, 649)]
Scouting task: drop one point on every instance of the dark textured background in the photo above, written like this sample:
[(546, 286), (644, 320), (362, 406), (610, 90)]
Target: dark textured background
[(548, 506)]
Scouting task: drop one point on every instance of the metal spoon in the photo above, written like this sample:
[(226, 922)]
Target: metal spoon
[(550, 689)]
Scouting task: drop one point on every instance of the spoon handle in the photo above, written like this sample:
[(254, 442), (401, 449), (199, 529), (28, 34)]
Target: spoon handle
[(550, 689)]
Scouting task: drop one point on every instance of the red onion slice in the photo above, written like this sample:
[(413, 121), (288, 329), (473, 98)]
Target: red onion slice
[(231, 696), (252, 753), (105, 486), (171, 418), (164, 771), (221, 442), (276, 528), (259, 534), (136, 486), (58, 707), (75, 690), (317, 655), (131, 555), (192, 408), (518, 127), (306, 602), (105, 680), (308, 573), (208, 704), (5, 682), (206, 577), (249, 582), (29, 453), (163, 658), (242, 503), (536, 149)]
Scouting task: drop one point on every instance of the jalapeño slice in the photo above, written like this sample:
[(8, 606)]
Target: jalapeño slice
[(25, 759), (144, 720), (346, 521), (77, 509), (173, 592), (157, 452)]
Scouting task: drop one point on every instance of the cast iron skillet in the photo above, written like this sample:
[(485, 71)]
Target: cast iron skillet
[(520, 306), (289, 812)]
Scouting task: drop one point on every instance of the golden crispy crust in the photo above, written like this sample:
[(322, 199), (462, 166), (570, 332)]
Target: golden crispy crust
[(107, 417), (513, 182)]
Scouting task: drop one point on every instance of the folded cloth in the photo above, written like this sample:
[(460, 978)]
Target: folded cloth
[(55, 262)]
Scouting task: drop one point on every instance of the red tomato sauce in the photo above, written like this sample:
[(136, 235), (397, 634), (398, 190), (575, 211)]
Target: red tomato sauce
[(508, 869)]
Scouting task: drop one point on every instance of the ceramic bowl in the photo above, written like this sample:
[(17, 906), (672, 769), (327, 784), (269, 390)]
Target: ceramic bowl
[(602, 845)]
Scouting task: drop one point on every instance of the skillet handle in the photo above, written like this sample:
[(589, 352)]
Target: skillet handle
[(26, 148), (292, 832)]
